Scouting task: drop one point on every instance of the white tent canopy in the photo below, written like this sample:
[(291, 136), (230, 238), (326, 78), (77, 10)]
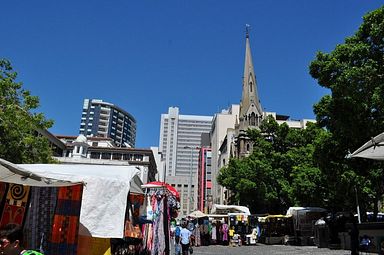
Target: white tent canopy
[(13, 173), (373, 149), (104, 195), (223, 209), (197, 214), (295, 209)]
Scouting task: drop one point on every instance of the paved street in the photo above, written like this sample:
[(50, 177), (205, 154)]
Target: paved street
[(261, 249)]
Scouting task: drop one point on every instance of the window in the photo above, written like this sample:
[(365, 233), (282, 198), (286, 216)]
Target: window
[(95, 155), (105, 155)]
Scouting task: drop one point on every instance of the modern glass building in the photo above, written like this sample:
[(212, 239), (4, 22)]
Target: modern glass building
[(102, 119)]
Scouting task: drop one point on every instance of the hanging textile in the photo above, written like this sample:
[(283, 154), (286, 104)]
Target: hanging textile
[(137, 201), (166, 222), (132, 228), (65, 228), (3, 190), (39, 218), (15, 203)]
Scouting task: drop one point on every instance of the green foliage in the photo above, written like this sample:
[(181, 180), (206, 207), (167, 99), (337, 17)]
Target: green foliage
[(19, 140), (279, 173), (353, 113), (308, 167)]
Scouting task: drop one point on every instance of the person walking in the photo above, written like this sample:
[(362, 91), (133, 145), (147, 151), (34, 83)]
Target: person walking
[(177, 239), (185, 239)]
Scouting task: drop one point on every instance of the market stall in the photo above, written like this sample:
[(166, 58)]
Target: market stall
[(91, 202), (162, 204)]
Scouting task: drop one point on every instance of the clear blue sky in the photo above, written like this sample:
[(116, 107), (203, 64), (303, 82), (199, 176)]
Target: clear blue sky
[(147, 55)]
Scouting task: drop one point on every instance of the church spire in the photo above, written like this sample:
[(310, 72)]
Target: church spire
[(250, 107)]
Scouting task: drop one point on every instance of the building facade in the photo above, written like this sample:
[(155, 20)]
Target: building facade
[(102, 119), (222, 121), (204, 180), (231, 139), (103, 151), (180, 140)]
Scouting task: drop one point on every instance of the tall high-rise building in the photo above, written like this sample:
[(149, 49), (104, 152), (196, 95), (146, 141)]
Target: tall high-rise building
[(102, 119), (180, 139)]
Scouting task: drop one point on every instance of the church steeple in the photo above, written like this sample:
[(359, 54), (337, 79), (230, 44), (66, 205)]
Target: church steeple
[(250, 107)]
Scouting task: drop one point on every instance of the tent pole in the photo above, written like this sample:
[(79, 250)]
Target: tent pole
[(358, 208)]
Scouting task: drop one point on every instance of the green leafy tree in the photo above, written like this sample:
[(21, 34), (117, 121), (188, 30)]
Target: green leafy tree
[(280, 172), (354, 112), (19, 139)]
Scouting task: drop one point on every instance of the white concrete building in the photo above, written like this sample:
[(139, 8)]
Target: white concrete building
[(220, 124), (180, 139)]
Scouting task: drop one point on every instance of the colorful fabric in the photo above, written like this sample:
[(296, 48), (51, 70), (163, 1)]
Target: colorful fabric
[(214, 236), (65, 227), (15, 203), (39, 218), (224, 230), (137, 201)]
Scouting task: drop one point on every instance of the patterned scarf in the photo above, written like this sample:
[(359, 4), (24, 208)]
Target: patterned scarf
[(64, 236)]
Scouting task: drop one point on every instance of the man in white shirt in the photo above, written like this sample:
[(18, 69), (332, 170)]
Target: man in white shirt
[(185, 239)]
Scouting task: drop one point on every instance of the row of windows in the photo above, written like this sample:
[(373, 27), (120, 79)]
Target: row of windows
[(117, 156)]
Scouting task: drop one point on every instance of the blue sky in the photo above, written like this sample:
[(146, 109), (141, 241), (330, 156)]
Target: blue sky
[(148, 55)]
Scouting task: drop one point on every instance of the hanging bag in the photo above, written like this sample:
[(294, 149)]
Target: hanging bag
[(131, 230)]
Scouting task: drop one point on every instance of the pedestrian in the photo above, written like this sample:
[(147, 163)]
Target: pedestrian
[(11, 239), (177, 239), (177, 233), (185, 239), (231, 233), (354, 233)]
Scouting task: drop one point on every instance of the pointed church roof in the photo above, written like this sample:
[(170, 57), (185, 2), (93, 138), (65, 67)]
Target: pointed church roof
[(250, 96)]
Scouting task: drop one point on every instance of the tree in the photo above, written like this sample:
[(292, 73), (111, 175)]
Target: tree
[(280, 172), (19, 139), (354, 112)]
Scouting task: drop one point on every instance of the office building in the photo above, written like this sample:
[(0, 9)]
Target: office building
[(102, 119), (180, 140)]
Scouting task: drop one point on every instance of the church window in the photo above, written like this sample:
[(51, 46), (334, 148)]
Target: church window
[(253, 119), (247, 147), (250, 86)]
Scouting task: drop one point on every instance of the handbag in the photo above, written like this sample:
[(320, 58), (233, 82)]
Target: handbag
[(131, 230)]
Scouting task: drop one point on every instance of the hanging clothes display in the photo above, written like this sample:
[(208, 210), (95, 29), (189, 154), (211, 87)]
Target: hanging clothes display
[(163, 205), (65, 229), (39, 218)]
